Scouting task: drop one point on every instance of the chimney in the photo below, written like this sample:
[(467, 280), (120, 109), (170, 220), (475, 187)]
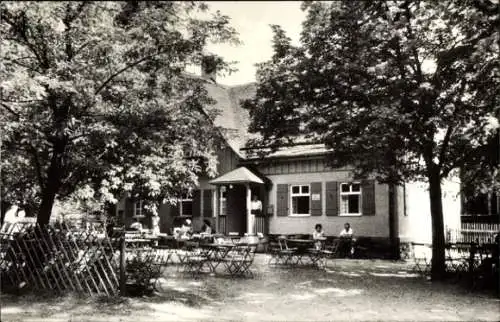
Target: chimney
[(209, 68)]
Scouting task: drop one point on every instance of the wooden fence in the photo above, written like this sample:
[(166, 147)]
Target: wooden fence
[(58, 258), (481, 233)]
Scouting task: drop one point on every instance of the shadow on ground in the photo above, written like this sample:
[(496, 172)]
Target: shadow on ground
[(354, 290)]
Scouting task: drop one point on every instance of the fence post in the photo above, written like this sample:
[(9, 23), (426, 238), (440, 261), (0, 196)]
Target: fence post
[(123, 276), (472, 256)]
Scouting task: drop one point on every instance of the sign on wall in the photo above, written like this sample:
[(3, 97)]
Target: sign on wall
[(316, 196)]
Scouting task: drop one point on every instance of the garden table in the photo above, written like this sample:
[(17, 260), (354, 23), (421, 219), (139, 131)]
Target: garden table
[(138, 242), (216, 253), (302, 246)]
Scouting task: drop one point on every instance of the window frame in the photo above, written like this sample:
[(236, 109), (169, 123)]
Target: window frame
[(184, 198), (141, 209), (351, 193), (300, 194)]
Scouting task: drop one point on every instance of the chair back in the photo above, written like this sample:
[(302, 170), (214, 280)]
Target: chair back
[(282, 242)]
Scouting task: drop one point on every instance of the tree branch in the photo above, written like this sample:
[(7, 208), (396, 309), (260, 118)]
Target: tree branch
[(137, 62), (11, 110), (19, 29)]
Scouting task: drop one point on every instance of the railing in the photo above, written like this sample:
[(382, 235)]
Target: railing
[(222, 225), (480, 233), (260, 224)]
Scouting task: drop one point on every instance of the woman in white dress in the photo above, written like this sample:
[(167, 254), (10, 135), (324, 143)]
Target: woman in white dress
[(155, 224)]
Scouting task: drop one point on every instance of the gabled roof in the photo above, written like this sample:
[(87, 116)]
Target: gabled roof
[(234, 121), (238, 175)]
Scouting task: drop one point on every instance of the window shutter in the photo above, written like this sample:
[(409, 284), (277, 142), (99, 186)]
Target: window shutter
[(368, 197), (129, 208), (196, 203), (332, 198), (207, 203), (174, 209), (316, 204), (282, 200)]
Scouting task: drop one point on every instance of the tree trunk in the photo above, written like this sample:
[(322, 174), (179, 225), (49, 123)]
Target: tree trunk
[(438, 241), (51, 188), (48, 198)]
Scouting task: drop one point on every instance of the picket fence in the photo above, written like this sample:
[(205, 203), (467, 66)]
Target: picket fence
[(58, 258), (481, 233)]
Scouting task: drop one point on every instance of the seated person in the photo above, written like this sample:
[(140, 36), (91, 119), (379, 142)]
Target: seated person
[(347, 241), (186, 230), (207, 227), (347, 231), (136, 225), (318, 234)]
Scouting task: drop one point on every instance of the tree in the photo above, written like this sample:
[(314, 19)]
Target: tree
[(94, 97), (404, 90)]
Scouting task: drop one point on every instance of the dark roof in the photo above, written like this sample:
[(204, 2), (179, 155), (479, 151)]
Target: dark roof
[(234, 121)]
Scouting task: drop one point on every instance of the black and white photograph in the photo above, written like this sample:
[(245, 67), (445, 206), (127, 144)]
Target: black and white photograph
[(250, 160)]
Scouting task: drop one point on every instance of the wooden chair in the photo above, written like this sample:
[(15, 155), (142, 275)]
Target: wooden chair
[(422, 262), (240, 259), (286, 253)]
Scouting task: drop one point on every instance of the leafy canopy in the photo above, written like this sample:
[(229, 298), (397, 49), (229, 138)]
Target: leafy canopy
[(397, 88), (94, 98)]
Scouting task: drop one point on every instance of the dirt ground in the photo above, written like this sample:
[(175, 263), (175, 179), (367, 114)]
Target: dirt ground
[(350, 290)]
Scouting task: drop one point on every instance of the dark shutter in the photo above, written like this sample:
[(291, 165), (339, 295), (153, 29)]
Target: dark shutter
[(175, 210), (282, 200), (196, 203), (368, 197), (316, 204), (207, 203), (332, 198), (129, 211)]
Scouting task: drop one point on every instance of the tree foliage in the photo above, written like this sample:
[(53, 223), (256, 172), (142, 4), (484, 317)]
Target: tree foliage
[(94, 97), (401, 89)]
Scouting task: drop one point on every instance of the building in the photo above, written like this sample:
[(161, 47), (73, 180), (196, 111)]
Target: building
[(297, 190)]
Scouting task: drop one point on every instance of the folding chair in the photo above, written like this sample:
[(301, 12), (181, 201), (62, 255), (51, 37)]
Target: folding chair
[(240, 260), (287, 254), (422, 264), (274, 252), (194, 262)]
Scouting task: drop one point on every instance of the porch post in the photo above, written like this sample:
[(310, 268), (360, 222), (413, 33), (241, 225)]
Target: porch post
[(218, 197), (249, 210)]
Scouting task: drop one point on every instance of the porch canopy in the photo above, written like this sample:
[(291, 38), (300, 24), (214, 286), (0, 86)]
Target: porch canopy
[(243, 176), (239, 175)]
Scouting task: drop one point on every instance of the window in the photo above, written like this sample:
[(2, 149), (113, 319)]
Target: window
[(300, 200), (350, 199), (223, 201), (139, 209), (185, 205)]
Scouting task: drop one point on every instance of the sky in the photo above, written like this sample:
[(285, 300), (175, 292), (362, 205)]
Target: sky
[(252, 19)]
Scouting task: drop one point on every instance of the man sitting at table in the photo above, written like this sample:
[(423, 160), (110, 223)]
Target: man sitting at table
[(136, 225), (346, 240), (318, 235), (186, 230), (207, 227)]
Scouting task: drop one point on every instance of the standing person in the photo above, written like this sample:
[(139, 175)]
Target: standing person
[(255, 209), (155, 224)]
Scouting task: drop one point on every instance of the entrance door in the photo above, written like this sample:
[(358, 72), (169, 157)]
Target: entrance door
[(236, 218)]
